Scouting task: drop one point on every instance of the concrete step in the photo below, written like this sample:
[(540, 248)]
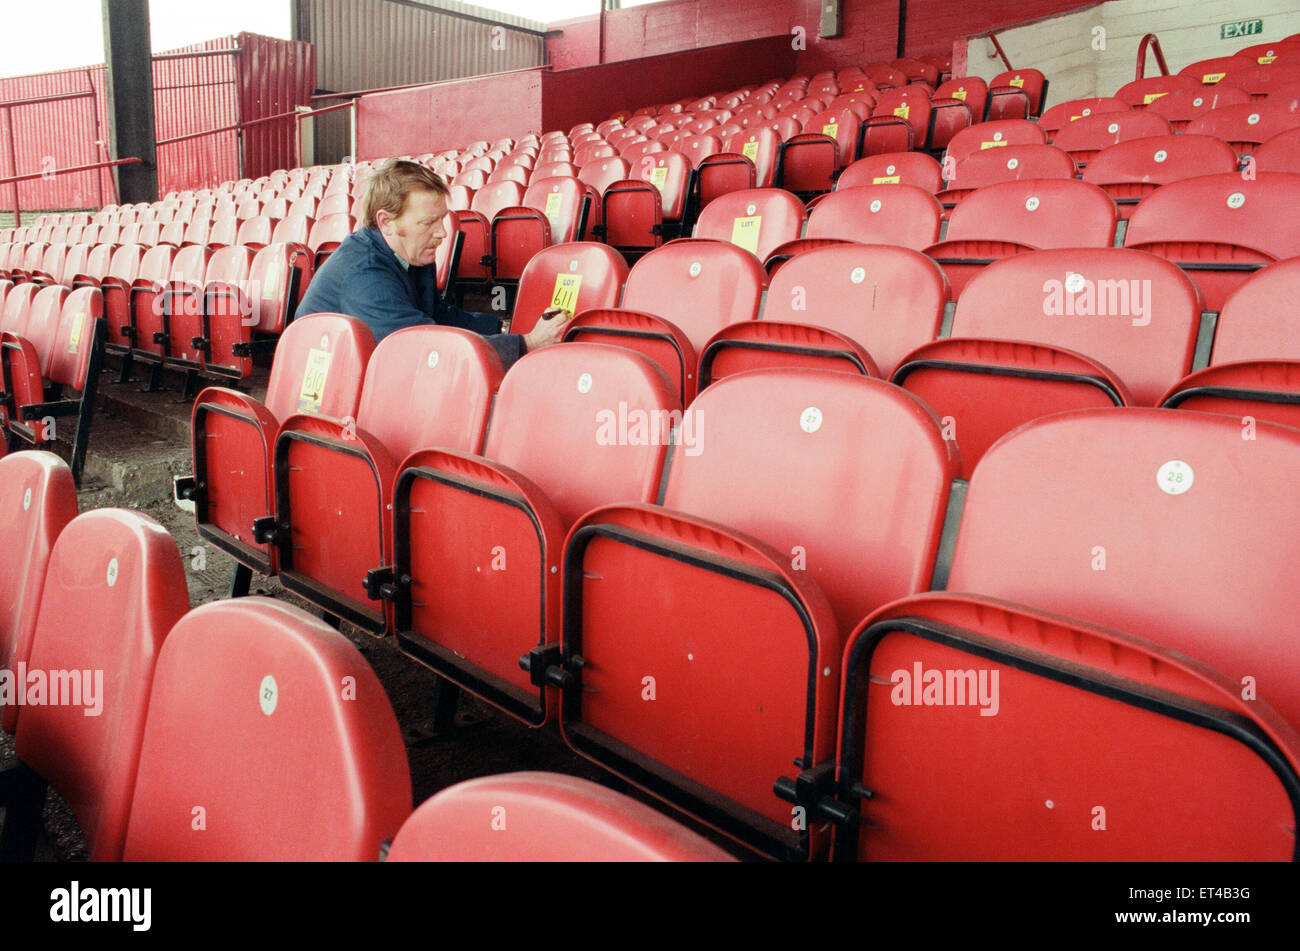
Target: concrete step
[(164, 413), (127, 465)]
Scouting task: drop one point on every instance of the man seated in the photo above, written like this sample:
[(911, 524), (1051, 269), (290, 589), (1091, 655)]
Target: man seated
[(385, 274)]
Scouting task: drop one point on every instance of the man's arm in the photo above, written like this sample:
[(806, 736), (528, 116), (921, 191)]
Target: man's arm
[(382, 298), (510, 347)]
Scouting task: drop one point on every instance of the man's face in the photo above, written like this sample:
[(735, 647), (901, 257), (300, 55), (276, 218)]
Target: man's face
[(416, 233)]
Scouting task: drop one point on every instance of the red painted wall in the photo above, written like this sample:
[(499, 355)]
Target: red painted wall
[(661, 52), (580, 95), (449, 115), (453, 114), (870, 28)]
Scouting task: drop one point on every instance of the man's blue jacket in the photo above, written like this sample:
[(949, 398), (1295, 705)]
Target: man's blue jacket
[(364, 279)]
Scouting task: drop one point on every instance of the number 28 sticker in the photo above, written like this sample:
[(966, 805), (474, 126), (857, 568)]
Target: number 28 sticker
[(1174, 477)]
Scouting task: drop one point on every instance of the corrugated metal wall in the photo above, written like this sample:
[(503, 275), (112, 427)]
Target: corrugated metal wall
[(276, 76), (371, 44), (62, 133), (249, 77), (191, 95)]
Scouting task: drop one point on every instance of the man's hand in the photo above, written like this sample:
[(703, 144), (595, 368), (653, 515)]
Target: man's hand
[(549, 329)]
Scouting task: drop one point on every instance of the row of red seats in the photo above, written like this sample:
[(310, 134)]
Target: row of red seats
[(51, 348), (517, 568), (62, 262), (664, 196), (195, 309), (240, 731), (1217, 227), (1128, 330)]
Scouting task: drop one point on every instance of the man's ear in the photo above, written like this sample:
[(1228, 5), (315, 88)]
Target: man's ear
[(383, 220)]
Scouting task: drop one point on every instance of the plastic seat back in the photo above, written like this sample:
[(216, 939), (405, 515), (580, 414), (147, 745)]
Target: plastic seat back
[(575, 276), (1220, 228), (757, 220), (901, 215), (1122, 483), (700, 286), (36, 488), (88, 746), (269, 738), (550, 818)]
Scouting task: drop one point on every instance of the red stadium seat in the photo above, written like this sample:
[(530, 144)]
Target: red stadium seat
[(1220, 228), (37, 489), (1254, 366), (1012, 164), (144, 335), (863, 529), (1181, 106), (1279, 153), (318, 368), (334, 479), (696, 148), (60, 347), (809, 163), (1261, 81), (957, 104), (1211, 71), (675, 299), (1248, 124), (277, 277), (1150, 711), (127, 566), (902, 215), (1048, 331), (476, 227), (553, 211), (758, 219), (1213, 490), (576, 277), (327, 234), (543, 817), (278, 730), (50, 270), (182, 309), (74, 264), (992, 135), (1142, 92), (1086, 137), (256, 232), (1062, 114), (748, 160), (642, 212), (900, 122), (1129, 171), (30, 263), (883, 301), (894, 168), (1267, 53), (598, 175), (997, 221), (1016, 94), (480, 538)]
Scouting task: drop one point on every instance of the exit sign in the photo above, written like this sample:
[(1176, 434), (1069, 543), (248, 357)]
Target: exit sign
[(1241, 28)]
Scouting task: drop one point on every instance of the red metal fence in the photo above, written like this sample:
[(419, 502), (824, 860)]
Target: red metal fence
[(57, 120)]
